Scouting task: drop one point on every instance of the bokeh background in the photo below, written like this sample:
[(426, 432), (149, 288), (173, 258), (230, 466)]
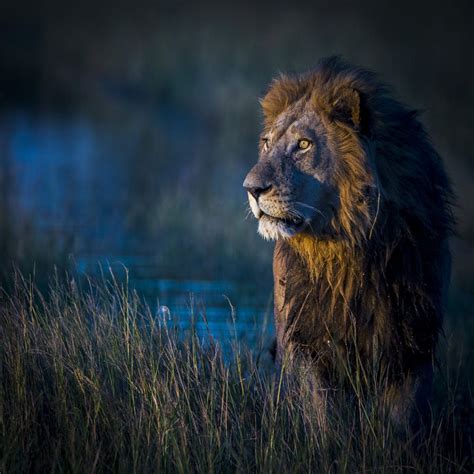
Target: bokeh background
[(126, 130)]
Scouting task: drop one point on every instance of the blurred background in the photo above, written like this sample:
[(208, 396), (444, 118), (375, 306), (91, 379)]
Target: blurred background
[(126, 131)]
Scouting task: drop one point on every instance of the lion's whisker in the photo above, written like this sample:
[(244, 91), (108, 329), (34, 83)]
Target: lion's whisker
[(309, 207)]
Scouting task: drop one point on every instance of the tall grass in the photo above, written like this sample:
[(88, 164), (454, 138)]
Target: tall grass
[(92, 381)]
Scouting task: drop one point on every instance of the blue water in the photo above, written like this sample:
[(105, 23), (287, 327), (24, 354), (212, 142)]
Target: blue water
[(222, 310), (72, 181), (65, 173)]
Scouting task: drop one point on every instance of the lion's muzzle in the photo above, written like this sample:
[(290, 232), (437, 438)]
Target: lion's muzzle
[(273, 213)]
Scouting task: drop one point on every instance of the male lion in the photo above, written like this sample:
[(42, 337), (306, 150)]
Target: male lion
[(356, 197)]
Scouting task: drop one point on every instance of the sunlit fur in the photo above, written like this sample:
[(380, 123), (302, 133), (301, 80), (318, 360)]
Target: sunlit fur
[(271, 230), (374, 282)]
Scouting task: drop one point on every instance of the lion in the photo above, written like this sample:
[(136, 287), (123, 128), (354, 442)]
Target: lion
[(360, 206)]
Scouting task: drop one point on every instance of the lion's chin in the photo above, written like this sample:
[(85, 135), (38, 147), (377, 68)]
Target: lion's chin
[(271, 228)]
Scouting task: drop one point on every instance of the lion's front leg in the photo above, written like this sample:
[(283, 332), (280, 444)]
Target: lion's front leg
[(320, 396), (310, 387), (408, 402)]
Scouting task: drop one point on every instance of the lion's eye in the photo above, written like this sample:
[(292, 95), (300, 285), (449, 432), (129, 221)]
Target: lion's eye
[(265, 142), (304, 144)]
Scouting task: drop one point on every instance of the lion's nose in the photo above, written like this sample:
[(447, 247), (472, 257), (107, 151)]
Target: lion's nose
[(256, 191), (259, 179)]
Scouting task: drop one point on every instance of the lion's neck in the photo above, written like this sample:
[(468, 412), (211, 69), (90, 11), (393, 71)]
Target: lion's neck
[(327, 258), (334, 269)]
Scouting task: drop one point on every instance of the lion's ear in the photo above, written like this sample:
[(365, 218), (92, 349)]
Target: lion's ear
[(346, 107)]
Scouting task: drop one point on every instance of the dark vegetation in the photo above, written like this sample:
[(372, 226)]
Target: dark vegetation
[(92, 381)]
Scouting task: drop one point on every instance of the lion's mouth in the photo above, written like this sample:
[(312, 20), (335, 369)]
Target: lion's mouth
[(291, 224)]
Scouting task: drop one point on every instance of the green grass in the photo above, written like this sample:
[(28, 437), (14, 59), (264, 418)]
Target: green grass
[(91, 381)]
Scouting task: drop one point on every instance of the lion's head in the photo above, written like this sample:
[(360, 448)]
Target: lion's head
[(336, 151)]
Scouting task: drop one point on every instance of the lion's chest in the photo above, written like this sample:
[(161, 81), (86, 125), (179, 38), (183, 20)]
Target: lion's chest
[(311, 316)]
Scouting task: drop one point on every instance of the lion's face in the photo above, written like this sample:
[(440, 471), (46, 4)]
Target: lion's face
[(290, 189)]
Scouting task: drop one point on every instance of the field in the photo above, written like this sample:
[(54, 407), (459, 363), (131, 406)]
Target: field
[(92, 381)]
